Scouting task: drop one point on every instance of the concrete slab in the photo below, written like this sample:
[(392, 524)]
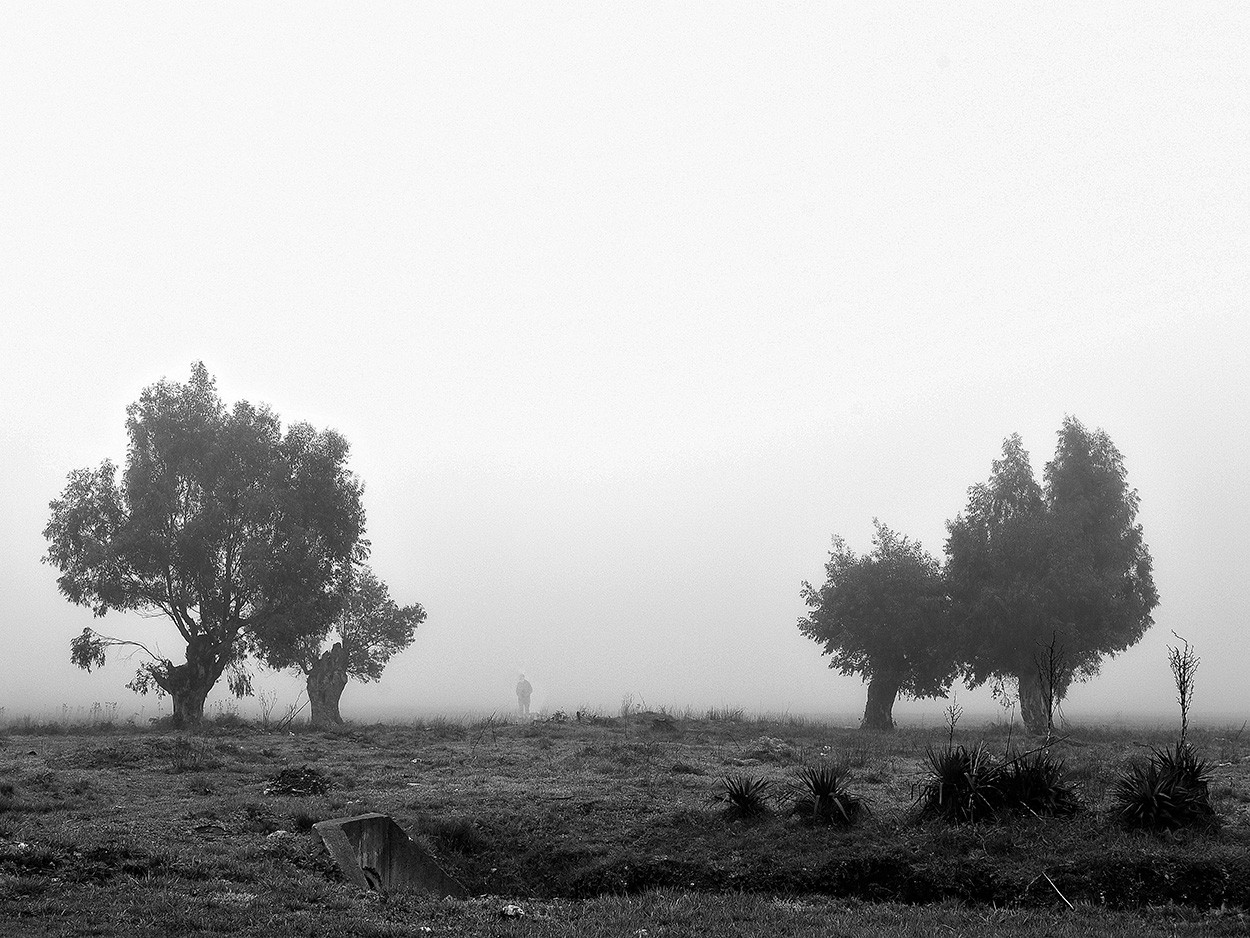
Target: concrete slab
[(375, 853)]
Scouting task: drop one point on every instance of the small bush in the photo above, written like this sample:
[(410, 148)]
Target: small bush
[(1170, 792), (968, 785), (822, 795), (743, 796), (963, 784), (1037, 783)]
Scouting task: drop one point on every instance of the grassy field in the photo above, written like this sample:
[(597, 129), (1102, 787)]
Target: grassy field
[(599, 827)]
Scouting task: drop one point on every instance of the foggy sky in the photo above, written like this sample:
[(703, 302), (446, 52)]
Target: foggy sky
[(626, 311)]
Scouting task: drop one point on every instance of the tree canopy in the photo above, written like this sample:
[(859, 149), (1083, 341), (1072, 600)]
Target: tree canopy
[(222, 523), (1047, 581), (883, 616)]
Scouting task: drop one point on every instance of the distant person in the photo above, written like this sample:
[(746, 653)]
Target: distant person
[(523, 692)]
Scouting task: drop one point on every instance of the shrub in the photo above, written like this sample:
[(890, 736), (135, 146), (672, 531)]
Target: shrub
[(967, 785), (1170, 792), (963, 784), (1037, 782), (744, 796), (822, 795)]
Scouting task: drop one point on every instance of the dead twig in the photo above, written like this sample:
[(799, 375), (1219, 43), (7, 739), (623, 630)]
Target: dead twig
[(1057, 892)]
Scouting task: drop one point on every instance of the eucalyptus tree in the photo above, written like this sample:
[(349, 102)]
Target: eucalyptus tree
[(884, 616), (222, 523), (1047, 581), (368, 629)]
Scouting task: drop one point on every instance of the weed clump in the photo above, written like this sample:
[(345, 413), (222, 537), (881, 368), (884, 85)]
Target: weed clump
[(304, 817), (1169, 792), (822, 796), (963, 784), (186, 756), (966, 785), (1037, 783), (744, 796)]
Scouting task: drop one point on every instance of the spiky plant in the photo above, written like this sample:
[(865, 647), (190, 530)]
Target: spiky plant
[(1170, 792), (1183, 761), (963, 784), (822, 795), (1037, 783), (744, 796)]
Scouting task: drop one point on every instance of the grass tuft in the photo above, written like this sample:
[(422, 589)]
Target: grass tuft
[(822, 795), (744, 796), (455, 834), (188, 756)]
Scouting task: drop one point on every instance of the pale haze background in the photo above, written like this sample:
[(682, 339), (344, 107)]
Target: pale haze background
[(626, 309)]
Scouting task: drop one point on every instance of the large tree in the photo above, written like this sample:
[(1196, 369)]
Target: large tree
[(369, 628), (221, 523), (1048, 581), (883, 615)]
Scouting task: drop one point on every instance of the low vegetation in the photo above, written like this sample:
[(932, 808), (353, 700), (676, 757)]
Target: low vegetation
[(1170, 791), (965, 784), (604, 826), (744, 796), (822, 795)]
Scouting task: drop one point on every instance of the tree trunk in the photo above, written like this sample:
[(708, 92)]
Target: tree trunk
[(326, 680), (879, 711), (189, 684), (1033, 703), (189, 704)]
